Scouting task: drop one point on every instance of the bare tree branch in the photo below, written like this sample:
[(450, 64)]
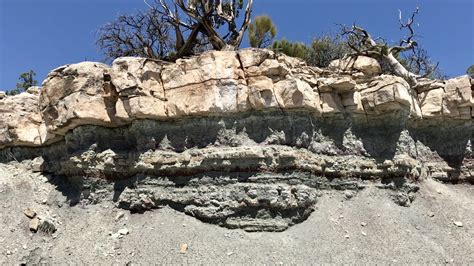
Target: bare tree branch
[(408, 43), (148, 34), (362, 43), (143, 34)]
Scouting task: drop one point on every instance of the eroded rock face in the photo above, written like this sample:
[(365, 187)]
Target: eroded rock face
[(262, 171), (451, 99), (74, 95), (21, 123), (136, 89), (223, 83), (364, 64), (252, 207), (205, 85), (244, 139)]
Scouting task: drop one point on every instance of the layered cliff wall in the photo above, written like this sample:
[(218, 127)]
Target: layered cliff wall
[(244, 139)]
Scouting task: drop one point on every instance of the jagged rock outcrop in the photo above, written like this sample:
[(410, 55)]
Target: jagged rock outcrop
[(367, 65), (75, 95), (245, 139), (21, 123), (222, 83)]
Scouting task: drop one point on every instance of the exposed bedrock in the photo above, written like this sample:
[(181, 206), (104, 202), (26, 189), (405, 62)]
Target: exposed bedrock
[(222, 84), (244, 139), (256, 171)]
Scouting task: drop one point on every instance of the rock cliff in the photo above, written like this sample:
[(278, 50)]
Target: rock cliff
[(244, 139)]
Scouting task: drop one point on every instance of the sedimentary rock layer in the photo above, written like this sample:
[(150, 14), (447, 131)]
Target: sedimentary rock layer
[(244, 139), (221, 84)]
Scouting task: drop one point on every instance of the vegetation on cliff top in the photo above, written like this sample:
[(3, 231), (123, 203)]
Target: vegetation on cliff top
[(26, 80), (169, 30)]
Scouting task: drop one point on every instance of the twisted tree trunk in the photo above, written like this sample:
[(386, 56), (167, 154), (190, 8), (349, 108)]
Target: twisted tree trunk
[(399, 70), (363, 44)]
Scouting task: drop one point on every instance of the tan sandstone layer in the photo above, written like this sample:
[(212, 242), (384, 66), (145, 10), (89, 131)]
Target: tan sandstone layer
[(220, 83)]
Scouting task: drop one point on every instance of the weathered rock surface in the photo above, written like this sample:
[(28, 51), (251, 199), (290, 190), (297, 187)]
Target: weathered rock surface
[(364, 64), (36, 90), (21, 123), (223, 83), (75, 95), (243, 139)]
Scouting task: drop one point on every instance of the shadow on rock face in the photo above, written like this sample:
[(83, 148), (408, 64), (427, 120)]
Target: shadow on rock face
[(71, 188), (450, 142), (380, 135)]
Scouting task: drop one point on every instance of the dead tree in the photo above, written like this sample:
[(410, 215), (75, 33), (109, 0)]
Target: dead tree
[(419, 62), (205, 17), (172, 29), (212, 14), (362, 43), (144, 34)]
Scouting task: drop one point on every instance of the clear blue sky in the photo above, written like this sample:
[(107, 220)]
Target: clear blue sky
[(44, 34)]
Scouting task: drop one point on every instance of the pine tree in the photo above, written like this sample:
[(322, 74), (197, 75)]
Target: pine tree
[(26, 80), (470, 71), (293, 49), (261, 32)]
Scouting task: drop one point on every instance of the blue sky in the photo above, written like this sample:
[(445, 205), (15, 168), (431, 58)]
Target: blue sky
[(43, 34)]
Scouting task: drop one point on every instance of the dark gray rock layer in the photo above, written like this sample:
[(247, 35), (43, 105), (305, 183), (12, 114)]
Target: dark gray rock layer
[(256, 171)]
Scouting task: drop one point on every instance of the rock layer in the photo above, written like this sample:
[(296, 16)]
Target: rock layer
[(223, 83), (21, 123), (244, 139)]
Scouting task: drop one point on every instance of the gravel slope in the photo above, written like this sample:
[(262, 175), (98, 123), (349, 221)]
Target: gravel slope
[(368, 228)]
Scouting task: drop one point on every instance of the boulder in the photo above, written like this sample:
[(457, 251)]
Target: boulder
[(21, 122), (364, 64), (278, 68), (213, 65), (271, 68), (386, 94), (295, 93), (138, 86), (425, 84), (331, 103), (136, 76), (261, 93), (338, 84), (34, 90), (201, 85), (458, 94), (34, 224), (30, 213), (367, 65), (2, 95), (79, 94), (452, 98), (37, 165), (431, 103), (459, 91), (207, 98), (254, 57)]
